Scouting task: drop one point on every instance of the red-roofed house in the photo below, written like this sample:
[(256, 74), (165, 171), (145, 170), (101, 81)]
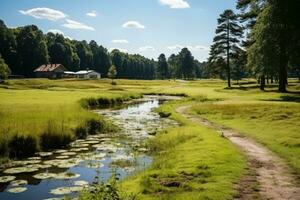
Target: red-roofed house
[(52, 71)]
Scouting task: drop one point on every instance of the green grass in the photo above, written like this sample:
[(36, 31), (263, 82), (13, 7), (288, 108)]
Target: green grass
[(275, 125), (190, 162)]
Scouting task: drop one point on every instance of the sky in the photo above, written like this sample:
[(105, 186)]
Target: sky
[(146, 27)]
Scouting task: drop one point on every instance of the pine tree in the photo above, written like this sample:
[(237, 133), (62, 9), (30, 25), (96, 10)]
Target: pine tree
[(162, 67), (227, 39)]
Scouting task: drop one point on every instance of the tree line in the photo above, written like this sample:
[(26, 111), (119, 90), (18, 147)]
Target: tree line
[(262, 41), (23, 49)]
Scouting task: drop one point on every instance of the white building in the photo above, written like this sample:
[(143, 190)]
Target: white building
[(87, 74)]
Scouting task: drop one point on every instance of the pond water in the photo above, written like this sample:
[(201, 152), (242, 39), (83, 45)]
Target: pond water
[(53, 175)]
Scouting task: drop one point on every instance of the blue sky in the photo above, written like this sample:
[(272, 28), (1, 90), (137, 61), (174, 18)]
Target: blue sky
[(147, 27)]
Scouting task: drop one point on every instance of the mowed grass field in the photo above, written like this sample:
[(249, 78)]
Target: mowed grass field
[(190, 161)]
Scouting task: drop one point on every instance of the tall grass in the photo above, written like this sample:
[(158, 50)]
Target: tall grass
[(53, 118), (275, 125)]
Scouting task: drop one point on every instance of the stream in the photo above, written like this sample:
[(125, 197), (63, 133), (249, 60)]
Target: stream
[(53, 175)]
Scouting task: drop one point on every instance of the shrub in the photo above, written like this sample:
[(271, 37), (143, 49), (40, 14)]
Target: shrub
[(54, 137), (164, 114), (21, 146), (81, 132), (95, 126), (3, 147)]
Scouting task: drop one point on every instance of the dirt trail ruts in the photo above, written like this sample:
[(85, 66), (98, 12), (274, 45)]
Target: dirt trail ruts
[(275, 181)]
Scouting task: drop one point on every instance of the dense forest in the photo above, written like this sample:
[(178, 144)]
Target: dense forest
[(23, 49)]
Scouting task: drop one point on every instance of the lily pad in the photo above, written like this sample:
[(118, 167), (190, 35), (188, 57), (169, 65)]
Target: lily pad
[(62, 157), (44, 154), (43, 166), (80, 149), (79, 145), (91, 142), (18, 170), (44, 176), (6, 179), (34, 158), (25, 162), (17, 183), (81, 183), (122, 157), (68, 154), (94, 165), (66, 175), (17, 189), (66, 190), (60, 151), (98, 156)]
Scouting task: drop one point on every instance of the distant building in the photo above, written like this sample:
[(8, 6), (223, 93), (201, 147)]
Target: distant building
[(87, 74), (52, 71), (69, 74)]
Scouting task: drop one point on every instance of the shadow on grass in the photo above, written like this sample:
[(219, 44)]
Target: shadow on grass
[(287, 98)]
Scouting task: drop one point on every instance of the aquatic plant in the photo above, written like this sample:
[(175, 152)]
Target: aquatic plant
[(55, 137), (21, 146)]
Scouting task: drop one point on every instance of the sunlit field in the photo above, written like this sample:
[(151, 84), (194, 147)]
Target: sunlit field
[(189, 161)]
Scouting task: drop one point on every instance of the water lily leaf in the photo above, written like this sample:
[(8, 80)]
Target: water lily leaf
[(18, 183), (68, 154), (81, 183), (18, 170), (17, 190), (62, 157), (94, 165), (66, 190), (60, 151), (66, 175), (44, 154), (6, 179), (44, 176)]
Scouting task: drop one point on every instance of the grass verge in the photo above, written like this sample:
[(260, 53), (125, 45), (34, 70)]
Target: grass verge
[(190, 162)]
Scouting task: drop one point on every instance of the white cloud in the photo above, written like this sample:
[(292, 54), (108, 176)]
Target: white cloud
[(198, 48), (55, 31), (44, 13), (120, 49), (93, 13), (190, 47), (71, 24), (175, 4), (175, 47), (133, 24), (147, 48), (120, 41)]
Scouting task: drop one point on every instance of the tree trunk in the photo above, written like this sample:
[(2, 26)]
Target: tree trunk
[(272, 79), (262, 82), (283, 71)]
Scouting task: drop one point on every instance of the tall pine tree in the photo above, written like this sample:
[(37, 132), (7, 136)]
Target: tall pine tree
[(227, 39)]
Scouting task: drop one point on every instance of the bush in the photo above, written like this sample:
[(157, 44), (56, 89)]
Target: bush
[(106, 191), (95, 126), (81, 132), (54, 137), (164, 114), (3, 147), (21, 146)]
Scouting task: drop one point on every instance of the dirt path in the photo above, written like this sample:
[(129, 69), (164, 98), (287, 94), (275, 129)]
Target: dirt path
[(275, 182)]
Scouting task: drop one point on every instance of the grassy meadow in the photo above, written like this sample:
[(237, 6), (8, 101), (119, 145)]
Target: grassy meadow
[(190, 161)]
